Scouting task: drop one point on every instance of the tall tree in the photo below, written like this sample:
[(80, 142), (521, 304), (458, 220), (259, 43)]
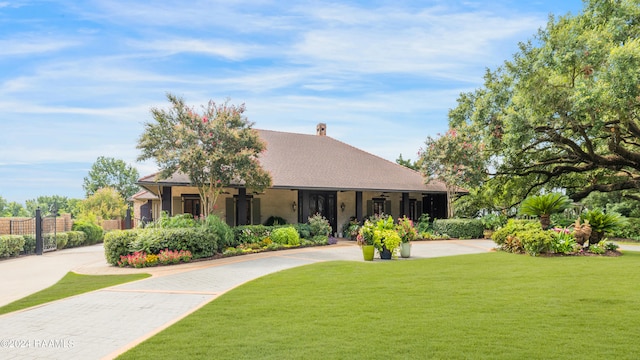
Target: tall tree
[(106, 204), (564, 112), (216, 149), (114, 173), (407, 163)]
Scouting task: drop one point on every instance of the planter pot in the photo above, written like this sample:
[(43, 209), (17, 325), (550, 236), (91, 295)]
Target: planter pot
[(405, 250), (367, 252), (385, 254)]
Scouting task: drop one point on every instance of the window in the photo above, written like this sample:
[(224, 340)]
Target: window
[(378, 206), (192, 206)]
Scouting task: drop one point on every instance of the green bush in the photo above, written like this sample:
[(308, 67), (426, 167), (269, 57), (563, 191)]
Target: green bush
[(513, 225), (459, 228), (93, 232), (304, 230), (519, 236), (11, 245), (76, 238), (117, 243), (423, 224), (224, 232), (286, 236), (630, 231), (200, 241), (61, 240), (173, 222), (318, 225), (29, 244), (535, 242)]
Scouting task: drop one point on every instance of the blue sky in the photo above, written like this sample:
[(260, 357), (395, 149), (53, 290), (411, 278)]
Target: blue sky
[(78, 78)]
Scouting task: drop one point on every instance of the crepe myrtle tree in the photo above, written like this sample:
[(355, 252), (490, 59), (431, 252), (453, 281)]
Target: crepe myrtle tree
[(215, 148), (456, 160)]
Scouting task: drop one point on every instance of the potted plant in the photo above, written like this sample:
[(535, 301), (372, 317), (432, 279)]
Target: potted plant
[(351, 229), (365, 240), (407, 234), (386, 238)]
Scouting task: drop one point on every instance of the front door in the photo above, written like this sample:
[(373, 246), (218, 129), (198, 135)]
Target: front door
[(324, 203)]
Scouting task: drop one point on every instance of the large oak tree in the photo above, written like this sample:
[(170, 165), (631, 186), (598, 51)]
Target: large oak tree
[(564, 112), (216, 148)]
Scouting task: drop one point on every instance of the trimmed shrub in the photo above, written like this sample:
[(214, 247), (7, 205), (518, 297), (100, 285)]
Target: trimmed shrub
[(29, 244), (94, 233), (286, 236), (61, 240), (201, 242), (513, 225), (11, 245), (520, 236), (76, 238), (535, 242), (117, 243), (459, 228)]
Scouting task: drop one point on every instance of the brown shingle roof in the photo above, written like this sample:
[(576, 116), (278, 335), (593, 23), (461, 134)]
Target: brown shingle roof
[(300, 161)]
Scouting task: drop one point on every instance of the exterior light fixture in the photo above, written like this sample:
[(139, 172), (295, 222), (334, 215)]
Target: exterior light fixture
[(294, 206), (342, 206)]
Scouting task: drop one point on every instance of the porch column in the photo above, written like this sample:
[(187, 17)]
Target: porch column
[(405, 205), (242, 206), (359, 206)]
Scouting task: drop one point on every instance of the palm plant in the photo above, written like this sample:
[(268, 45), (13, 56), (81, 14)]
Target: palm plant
[(602, 223), (544, 205)]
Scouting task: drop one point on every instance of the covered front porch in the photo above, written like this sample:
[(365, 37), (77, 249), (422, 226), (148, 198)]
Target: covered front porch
[(241, 207)]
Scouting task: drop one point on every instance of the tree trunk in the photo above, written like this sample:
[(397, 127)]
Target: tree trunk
[(545, 221)]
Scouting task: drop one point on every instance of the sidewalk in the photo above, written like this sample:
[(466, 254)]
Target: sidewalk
[(92, 325)]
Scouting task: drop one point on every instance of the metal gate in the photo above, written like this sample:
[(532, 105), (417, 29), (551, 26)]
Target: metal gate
[(49, 233), (37, 230), (26, 228)]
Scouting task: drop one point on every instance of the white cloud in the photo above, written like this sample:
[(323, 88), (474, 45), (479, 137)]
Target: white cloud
[(31, 44), (216, 48)]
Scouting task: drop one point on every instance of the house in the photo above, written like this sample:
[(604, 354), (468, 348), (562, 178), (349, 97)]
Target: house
[(311, 174)]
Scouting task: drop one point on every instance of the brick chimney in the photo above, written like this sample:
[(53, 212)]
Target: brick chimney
[(321, 129)]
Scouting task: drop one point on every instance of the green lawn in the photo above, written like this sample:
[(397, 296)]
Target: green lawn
[(487, 306), (71, 284)]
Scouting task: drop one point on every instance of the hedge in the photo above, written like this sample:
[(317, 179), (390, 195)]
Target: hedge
[(11, 245), (76, 238), (93, 232), (117, 243), (200, 241), (459, 228)]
